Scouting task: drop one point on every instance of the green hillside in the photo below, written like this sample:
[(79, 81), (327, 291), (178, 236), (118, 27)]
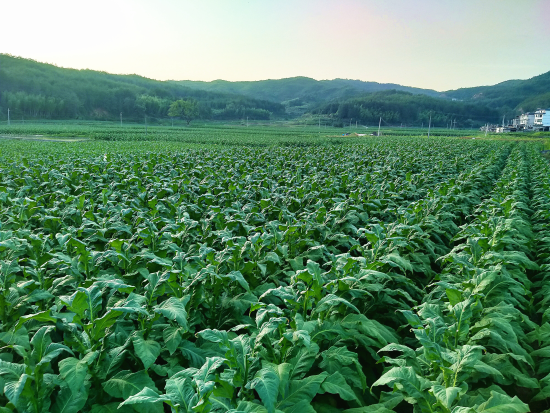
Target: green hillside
[(512, 95), (305, 88), (33, 90), (43, 91), (301, 93), (396, 107)]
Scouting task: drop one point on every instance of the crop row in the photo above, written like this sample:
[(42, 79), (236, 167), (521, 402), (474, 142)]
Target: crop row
[(479, 339)]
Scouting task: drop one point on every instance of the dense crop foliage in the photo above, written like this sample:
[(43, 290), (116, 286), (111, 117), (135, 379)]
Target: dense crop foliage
[(401, 275), (283, 134)]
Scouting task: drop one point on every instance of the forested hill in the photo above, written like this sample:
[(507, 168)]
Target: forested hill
[(33, 90), (396, 107), (510, 96), (38, 90), (301, 92)]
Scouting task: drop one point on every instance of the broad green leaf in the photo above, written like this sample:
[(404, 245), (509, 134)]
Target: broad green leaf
[(13, 389), (266, 384), (112, 360), (146, 396), (19, 337), (331, 300), (52, 351), (215, 336), (445, 395), (413, 384), (125, 384), (460, 409), (408, 352), (250, 407), (42, 317), (69, 401), (303, 362), (336, 384), (73, 372), (501, 403), (397, 260), (237, 276), (462, 312), (335, 358), (174, 309), (147, 350), (192, 353), (302, 390), (104, 322), (180, 391), (454, 296), (172, 338), (302, 406), (208, 370)]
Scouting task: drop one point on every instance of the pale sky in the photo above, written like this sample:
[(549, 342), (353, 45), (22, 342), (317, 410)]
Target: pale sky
[(436, 44)]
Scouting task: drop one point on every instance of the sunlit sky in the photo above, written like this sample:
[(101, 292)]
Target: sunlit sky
[(436, 44)]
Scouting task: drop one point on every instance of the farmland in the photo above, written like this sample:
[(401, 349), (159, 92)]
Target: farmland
[(281, 270)]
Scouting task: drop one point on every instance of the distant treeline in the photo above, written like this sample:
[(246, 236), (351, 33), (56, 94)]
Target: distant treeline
[(396, 107), (42, 91)]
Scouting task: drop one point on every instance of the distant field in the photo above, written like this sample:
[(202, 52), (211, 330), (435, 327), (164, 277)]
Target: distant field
[(259, 134)]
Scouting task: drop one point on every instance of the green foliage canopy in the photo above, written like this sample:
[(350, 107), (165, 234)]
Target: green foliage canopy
[(185, 109)]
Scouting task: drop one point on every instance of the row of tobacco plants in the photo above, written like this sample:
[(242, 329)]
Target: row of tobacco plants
[(402, 275)]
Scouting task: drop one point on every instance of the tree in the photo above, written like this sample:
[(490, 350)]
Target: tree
[(185, 109)]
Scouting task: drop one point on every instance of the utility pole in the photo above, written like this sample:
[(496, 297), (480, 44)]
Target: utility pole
[(486, 129), (8, 116), (503, 120), (454, 126), (379, 124), (247, 121), (429, 125)]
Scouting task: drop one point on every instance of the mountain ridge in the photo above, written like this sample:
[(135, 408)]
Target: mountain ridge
[(91, 94), (514, 95)]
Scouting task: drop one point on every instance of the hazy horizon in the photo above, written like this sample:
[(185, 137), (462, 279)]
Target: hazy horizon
[(433, 44)]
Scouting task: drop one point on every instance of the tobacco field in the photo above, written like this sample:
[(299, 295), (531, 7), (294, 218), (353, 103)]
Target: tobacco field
[(397, 275)]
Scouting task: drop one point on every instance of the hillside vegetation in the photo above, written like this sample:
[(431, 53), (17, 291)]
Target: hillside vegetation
[(33, 90), (512, 95), (299, 94), (396, 106), (38, 90)]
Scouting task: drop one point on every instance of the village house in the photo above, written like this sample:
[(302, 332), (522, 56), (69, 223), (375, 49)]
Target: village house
[(531, 121), (538, 117), (527, 120)]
